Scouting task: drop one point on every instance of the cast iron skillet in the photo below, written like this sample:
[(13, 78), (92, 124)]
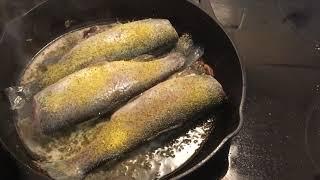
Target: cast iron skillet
[(48, 20)]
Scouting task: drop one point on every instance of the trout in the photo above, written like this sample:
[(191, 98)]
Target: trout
[(167, 105), (99, 89), (121, 42)]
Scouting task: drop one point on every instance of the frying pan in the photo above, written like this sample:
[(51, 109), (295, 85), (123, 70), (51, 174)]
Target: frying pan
[(24, 36)]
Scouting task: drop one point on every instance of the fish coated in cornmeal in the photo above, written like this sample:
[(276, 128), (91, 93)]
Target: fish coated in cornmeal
[(164, 106), (121, 42), (98, 89)]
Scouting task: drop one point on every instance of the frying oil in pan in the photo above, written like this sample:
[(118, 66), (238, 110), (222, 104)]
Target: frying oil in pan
[(153, 160)]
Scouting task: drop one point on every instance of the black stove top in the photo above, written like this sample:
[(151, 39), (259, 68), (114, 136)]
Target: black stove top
[(279, 45), (278, 41)]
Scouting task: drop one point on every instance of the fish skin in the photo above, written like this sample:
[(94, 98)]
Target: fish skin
[(166, 105), (98, 89), (121, 42)]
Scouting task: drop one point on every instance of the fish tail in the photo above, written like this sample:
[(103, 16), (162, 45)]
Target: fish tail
[(186, 46), (195, 53), (18, 95)]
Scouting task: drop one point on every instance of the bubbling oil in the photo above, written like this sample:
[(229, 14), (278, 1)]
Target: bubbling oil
[(152, 160)]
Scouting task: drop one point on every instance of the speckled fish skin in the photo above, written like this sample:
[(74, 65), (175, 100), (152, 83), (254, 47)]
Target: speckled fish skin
[(121, 42), (97, 90), (166, 105)]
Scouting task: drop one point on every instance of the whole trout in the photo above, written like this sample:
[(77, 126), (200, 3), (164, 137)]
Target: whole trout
[(164, 106), (98, 89), (120, 42)]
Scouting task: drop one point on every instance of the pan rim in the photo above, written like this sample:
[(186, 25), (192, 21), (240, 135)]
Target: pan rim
[(33, 167), (241, 106)]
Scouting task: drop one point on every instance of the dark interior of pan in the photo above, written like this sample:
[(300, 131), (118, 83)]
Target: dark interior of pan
[(48, 21)]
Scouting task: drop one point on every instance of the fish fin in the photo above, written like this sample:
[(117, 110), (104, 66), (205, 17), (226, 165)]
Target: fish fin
[(186, 46), (168, 129), (144, 58)]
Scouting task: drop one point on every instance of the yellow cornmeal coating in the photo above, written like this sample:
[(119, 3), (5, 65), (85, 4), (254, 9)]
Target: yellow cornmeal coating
[(154, 112), (167, 104), (120, 42), (82, 88)]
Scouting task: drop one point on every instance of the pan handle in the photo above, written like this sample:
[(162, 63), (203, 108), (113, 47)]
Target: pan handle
[(205, 5)]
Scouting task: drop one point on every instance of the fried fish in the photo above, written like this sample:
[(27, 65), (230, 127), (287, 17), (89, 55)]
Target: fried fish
[(120, 42), (99, 89), (167, 105)]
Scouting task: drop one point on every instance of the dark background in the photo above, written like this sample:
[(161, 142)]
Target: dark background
[(10, 9), (279, 46)]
